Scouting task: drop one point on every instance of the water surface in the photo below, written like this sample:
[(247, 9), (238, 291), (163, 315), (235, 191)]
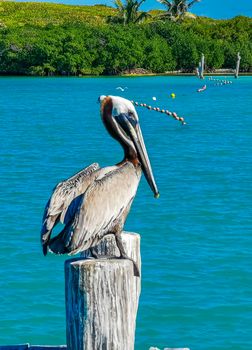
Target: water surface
[(195, 240)]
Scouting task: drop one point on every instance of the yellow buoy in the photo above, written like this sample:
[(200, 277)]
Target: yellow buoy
[(173, 95)]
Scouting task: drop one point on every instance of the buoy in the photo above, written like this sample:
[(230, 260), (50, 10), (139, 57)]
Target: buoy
[(157, 109), (154, 98), (173, 95)]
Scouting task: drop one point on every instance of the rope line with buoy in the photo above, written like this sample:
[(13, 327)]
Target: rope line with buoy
[(157, 109)]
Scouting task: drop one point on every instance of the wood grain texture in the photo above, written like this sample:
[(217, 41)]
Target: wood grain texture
[(102, 298)]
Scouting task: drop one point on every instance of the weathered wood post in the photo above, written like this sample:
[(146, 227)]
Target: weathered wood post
[(237, 65), (102, 298), (197, 70), (202, 66)]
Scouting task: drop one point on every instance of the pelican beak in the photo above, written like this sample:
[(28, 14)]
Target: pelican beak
[(133, 130)]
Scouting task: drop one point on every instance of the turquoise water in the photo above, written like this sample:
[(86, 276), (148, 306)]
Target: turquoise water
[(195, 240)]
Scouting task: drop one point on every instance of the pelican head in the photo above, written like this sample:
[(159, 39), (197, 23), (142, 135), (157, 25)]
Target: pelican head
[(121, 120)]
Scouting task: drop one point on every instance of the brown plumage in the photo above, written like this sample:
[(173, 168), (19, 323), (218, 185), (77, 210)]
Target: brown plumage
[(96, 201)]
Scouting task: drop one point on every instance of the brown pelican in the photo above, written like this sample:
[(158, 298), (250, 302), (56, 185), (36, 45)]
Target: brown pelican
[(96, 201)]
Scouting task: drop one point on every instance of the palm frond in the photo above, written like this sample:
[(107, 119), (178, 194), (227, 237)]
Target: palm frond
[(119, 4), (129, 11), (142, 17), (165, 2), (192, 3), (140, 3)]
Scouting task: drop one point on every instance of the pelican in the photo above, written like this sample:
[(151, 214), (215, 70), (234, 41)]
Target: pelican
[(96, 201)]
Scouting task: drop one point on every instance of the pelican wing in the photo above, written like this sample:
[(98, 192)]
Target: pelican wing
[(62, 197), (100, 210), (69, 189)]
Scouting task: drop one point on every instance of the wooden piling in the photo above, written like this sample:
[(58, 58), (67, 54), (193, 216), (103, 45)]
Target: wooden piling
[(237, 65), (202, 66), (102, 298)]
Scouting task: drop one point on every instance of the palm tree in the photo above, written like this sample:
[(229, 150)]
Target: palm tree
[(128, 12), (176, 9)]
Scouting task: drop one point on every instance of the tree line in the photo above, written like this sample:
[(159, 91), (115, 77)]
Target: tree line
[(158, 46)]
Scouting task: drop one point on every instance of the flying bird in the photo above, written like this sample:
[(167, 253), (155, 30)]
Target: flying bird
[(202, 89), (122, 89), (96, 201)]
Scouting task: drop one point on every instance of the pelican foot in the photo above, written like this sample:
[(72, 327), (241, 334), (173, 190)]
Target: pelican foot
[(135, 267), (100, 256), (95, 255), (123, 254)]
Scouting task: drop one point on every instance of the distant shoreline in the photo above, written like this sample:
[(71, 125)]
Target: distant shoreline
[(174, 74), (128, 75), (48, 39)]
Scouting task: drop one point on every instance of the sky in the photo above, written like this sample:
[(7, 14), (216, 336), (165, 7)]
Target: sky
[(211, 8)]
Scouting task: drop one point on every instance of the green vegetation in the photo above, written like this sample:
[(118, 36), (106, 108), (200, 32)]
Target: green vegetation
[(128, 12), (18, 14), (47, 39), (176, 10)]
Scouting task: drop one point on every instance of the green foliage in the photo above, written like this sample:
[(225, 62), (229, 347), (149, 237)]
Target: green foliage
[(18, 14), (128, 12), (48, 39), (219, 40), (176, 10), (122, 50), (158, 56)]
